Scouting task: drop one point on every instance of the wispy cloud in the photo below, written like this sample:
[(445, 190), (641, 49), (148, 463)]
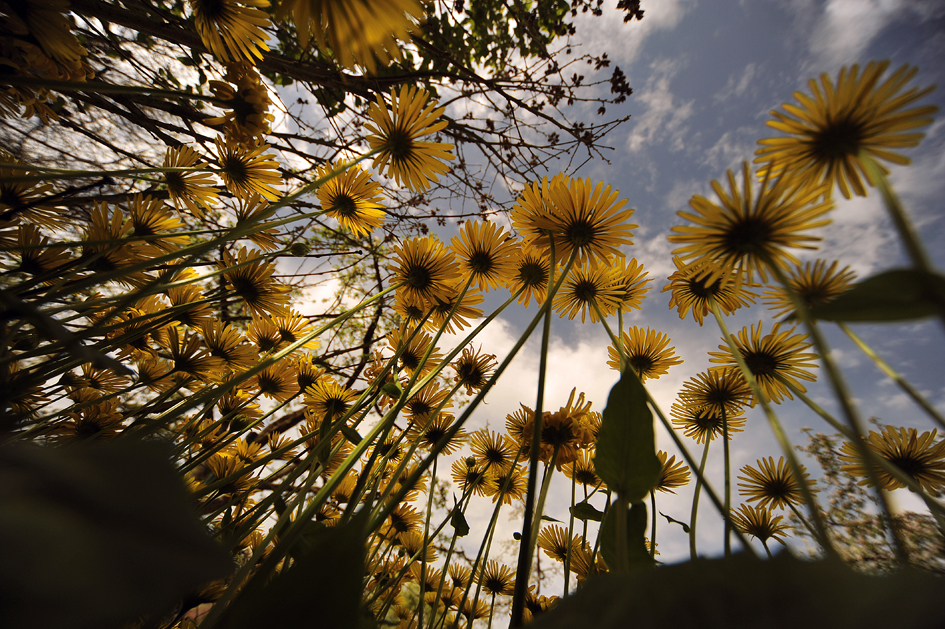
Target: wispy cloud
[(664, 117)]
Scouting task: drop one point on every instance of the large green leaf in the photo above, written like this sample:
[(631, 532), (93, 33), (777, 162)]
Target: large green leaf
[(97, 535), (323, 587), (626, 448), (637, 554), (586, 511), (897, 295), (743, 592)]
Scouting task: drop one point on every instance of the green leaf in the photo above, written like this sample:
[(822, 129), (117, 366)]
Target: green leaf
[(626, 448), (897, 295), (323, 587), (458, 521), (586, 511), (97, 535), (637, 554), (742, 592), (392, 389), (685, 527), (351, 434), (548, 518)]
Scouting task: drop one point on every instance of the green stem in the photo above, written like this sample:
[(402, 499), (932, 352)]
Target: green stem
[(653, 513), (695, 500), (728, 485)]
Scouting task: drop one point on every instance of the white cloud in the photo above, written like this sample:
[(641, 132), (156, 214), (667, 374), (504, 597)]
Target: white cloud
[(663, 120), (736, 87), (623, 41)]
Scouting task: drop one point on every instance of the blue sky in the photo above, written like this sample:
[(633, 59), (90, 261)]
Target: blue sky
[(705, 77)]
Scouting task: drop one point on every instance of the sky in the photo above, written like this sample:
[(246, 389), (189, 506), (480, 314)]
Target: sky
[(705, 76)]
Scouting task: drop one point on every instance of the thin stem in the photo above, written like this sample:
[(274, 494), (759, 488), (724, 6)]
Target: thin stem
[(652, 524), (695, 500), (728, 485)]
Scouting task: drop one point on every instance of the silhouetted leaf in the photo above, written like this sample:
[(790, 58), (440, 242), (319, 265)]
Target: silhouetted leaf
[(458, 522), (95, 535), (322, 588), (637, 554), (351, 434), (586, 511), (626, 448), (743, 592), (685, 527), (897, 295)]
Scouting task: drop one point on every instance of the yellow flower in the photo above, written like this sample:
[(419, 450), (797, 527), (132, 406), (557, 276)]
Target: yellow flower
[(577, 217), (151, 218), (24, 200), (425, 267), (228, 344), (329, 400), (249, 276), (492, 450), (277, 381), (750, 230), (703, 423), (718, 390), (530, 271), (586, 287), (554, 540), (582, 470), (469, 476), (775, 357), (427, 400), (508, 483), (464, 312), (496, 579), (411, 354), (251, 211), (672, 474), (189, 355), (815, 283), (246, 171), (918, 456), (395, 134), (485, 252), (693, 288), (647, 353), (758, 522), (430, 432), (232, 31), (772, 485), (473, 369), (630, 280), (35, 255), (831, 132), (194, 190), (355, 31), (352, 198)]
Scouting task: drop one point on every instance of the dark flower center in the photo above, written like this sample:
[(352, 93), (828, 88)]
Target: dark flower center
[(585, 291), (580, 233), (481, 262), (641, 364), (761, 363), (400, 145), (837, 140), (418, 277), (749, 235), (532, 274), (345, 205)]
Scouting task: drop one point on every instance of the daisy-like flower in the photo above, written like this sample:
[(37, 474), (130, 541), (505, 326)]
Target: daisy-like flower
[(192, 190), (582, 470), (672, 474), (719, 390), (395, 134), (586, 287), (775, 357), (426, 268), (108, 248), (631, 282), (277, 381), (307, 370), (496, 579), (492, 450), (758, 522), (247, 118), (554, 540), (413, 309), (832, 130), (191, 307), (249, 276), (917, 455), (425, 401), (559, 431), (815, 283), (352, 198), (647, 353), (35, 255), (329, 400), (189, 355), (403, 519), (228, 344), (292, 326), (703, 423), (473, 369), (24, 200), (247, 171), (429, 433), (530, 273), (150, 218), (469, 476), (355, 31), (232, 31), (485, 252), (509, 484), (253, 211), (263, 333), (411, 354), (462, 312), (772, 485), (693, 288), (750, 230), (237, 410), (578, 217)]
